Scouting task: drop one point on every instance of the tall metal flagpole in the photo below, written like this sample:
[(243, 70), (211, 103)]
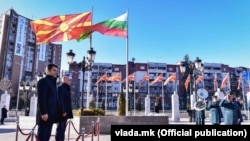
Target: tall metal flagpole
[(127, 69), (20, 77), (162, 96), (106, 96), (97, 95), (149, 93), (18, 92), (89, 69), (134, 93)]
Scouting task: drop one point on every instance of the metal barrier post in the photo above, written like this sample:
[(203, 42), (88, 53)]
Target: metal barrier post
[(32, 134), (93, 130), (69, 122), (83, 132), (17, 125), (98, 121)]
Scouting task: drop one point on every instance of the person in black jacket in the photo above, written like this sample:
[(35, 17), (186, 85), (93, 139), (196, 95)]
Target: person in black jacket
[(64, 95), (215, 111), (199, 107), (4, 114), (47, 111)]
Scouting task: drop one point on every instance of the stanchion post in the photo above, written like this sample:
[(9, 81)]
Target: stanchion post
[(32, 134), (83, 132), (98, 127), (17, 125), (69, 122), (93, 130)]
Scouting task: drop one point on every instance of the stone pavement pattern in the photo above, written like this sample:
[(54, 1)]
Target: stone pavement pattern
[(8, 130)]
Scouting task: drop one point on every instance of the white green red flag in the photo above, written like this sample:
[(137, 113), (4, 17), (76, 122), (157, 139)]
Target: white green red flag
[(112, 27)]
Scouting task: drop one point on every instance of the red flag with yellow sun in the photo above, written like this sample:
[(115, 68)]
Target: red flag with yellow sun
[(61, 28)]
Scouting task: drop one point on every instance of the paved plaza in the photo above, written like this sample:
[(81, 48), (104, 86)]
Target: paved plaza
[(8, 130)]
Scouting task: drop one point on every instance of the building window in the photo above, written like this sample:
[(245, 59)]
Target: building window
[(142, 68)]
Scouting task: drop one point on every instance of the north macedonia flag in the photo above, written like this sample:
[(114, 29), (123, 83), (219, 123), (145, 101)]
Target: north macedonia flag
[(61, 28)]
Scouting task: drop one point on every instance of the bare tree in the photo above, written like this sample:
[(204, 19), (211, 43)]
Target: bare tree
[(6, 85)]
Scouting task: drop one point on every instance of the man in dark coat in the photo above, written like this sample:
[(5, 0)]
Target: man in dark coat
[(232, 111), (64, 95), (47, 111), (4, 114), (215, 111)]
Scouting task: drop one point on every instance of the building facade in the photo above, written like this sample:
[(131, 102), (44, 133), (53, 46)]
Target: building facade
[(109, 91), (21, 59)]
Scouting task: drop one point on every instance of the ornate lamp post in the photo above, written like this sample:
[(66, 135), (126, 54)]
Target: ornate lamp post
[(193, 69), (130, 91), (85, 64), (25, 87), (40, 76), (136, 90)]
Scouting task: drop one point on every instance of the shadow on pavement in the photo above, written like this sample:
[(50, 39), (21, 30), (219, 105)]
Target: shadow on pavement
[(7, 130)]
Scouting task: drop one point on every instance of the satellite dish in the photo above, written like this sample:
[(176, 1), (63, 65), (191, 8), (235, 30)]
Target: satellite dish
[(202, 93)]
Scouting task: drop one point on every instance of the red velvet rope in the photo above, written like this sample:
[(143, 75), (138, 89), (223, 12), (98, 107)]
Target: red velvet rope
[(96, 131), (27, 134), (74, 127), (19, 129)]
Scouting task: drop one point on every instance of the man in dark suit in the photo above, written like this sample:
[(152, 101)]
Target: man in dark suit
[(47, 112), (4, 114), (64, 95)]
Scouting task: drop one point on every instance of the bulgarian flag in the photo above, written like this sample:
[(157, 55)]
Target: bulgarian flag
[(113, 27), (61, 28)]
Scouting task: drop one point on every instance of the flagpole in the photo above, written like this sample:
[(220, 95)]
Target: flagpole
[(97, 95), (248, 80), (242, 87), (162, 96), (229, 83), (134, 97), (89, 69), (149, 96), (106, 97), (176, 80), (127, 69)]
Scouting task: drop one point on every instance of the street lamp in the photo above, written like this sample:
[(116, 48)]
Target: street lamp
[(135, 92), (25, 87), (193, 69), (85, 64), (114, 95), (40, 76), (130, 90)]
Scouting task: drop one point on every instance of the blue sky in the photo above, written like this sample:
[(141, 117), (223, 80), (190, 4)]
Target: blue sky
[(217, 31)]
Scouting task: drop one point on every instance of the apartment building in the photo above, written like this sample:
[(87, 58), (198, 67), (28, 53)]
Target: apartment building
[(109, 91), (18, 48), (21, 59)]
